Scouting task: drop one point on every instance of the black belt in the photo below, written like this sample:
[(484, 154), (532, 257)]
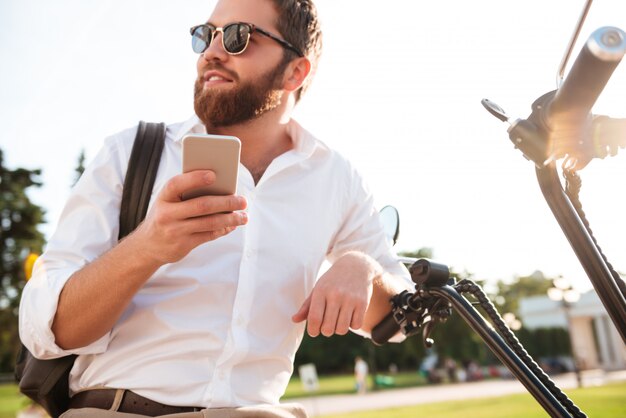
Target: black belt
[(131, 403)]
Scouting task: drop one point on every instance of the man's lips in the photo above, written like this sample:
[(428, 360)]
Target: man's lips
[(216, 77)]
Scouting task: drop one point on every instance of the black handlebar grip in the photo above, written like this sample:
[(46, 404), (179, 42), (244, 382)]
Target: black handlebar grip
[(385, 329), (589, 74)]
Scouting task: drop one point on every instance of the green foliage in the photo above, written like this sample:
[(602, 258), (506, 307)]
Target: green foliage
[(524, 286), (336, 354), (19, 218), (545, 342), (455, 339), (406, 355), (343, 348), (11, 400), (80, 168), (421, 253)]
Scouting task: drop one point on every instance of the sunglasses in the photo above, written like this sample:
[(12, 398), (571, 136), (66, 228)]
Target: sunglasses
[(235, 37)]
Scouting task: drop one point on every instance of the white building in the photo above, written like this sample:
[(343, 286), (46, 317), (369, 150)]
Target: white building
[(596, 341)]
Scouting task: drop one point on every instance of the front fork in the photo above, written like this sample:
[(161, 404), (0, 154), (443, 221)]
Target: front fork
[(437, 293)]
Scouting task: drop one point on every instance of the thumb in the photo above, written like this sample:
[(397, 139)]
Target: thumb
[(303, 312)]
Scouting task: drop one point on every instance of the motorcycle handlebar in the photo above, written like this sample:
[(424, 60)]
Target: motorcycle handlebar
[(589, 74), (385, 329)]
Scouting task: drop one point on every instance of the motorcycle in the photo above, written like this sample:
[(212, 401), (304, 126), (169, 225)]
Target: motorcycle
[(559, 128)]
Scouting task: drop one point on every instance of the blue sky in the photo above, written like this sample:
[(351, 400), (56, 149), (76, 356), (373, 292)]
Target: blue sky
[(398, 91)]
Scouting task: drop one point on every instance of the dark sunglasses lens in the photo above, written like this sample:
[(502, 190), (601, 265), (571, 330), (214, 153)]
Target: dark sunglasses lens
[(236, 37), (200, 39)]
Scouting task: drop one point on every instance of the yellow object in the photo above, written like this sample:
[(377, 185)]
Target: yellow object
[(29, 263)]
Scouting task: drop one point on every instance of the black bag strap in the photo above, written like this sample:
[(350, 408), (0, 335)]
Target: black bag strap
[(46, 381), (140, 175)]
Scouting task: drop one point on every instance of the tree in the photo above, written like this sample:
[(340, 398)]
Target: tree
[(509, 294), (80, 168), (19, 219), (424, 252), (541, 342)]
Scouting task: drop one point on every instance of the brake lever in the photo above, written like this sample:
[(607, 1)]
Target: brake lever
[(495, 110)]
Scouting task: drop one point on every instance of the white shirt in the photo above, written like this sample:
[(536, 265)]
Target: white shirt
[(214, 329)]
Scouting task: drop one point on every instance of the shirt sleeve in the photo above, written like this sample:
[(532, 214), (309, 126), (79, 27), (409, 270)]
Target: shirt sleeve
[(88, 227), (362, 230)]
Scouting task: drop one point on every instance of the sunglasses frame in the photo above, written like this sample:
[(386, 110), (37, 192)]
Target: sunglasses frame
[(253, 28)]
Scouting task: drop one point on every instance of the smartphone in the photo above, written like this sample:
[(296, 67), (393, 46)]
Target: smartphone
[(219, 153)]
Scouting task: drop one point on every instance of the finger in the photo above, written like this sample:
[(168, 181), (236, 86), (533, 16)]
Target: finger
[(213, 222), (358, 316), (202, 237), (209, 205), (344, 320), (331, 313), (316, 315), (177, 185), (303, 311)]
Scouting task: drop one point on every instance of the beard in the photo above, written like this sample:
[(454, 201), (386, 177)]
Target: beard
[(250, 100)]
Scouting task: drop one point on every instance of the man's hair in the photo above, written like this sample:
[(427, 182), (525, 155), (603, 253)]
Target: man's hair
[(298, 24)]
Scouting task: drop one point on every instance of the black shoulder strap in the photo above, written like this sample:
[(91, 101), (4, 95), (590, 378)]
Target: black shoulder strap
[(140, 175)]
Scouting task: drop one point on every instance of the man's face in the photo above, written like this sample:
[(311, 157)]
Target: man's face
[(232, 89), (244, 101)]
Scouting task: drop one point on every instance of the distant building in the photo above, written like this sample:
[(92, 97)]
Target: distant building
[(597, 343)]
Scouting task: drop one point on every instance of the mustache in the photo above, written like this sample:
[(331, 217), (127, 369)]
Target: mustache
[(216, 66)]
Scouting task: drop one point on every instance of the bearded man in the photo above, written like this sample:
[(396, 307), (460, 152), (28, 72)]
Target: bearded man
[(201, 309)]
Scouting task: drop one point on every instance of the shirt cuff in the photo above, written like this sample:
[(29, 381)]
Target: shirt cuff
[(37, 310)]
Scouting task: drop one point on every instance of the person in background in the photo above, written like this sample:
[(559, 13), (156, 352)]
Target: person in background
[(361, 371)]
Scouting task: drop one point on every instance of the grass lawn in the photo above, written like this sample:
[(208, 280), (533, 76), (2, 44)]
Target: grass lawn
[(335, 385), (601, 401), (11, 401)]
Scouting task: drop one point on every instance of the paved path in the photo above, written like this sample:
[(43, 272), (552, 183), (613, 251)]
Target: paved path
[(336, 404)]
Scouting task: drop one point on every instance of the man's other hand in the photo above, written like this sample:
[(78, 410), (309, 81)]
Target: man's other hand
[(341, 297)]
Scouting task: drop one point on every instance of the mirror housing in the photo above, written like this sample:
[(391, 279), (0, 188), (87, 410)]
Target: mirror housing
[(390, 220)]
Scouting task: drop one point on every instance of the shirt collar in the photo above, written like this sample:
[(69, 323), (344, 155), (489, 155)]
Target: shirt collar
[(193, 125), (303, 141)]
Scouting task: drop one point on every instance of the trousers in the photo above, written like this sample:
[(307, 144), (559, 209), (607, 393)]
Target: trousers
[(278, 411), (261, 411)]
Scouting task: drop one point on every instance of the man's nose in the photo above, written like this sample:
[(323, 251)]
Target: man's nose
[(215, 50)]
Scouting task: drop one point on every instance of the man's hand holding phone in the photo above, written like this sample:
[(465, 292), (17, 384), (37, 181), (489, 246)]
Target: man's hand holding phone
[(174, 227), (199, 205)]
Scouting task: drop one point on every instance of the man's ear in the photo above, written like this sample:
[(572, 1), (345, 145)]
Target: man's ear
[(296, 72)]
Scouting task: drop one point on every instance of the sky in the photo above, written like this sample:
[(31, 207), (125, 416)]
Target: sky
[(398, 91)]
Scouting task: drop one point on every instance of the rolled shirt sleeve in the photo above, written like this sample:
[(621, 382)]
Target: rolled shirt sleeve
[(88, 227)]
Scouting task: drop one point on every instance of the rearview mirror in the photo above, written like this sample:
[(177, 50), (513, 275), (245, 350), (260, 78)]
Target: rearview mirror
[(391, 223)]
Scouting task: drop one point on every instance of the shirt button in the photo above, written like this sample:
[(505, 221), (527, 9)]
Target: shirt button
[(249, 252)]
